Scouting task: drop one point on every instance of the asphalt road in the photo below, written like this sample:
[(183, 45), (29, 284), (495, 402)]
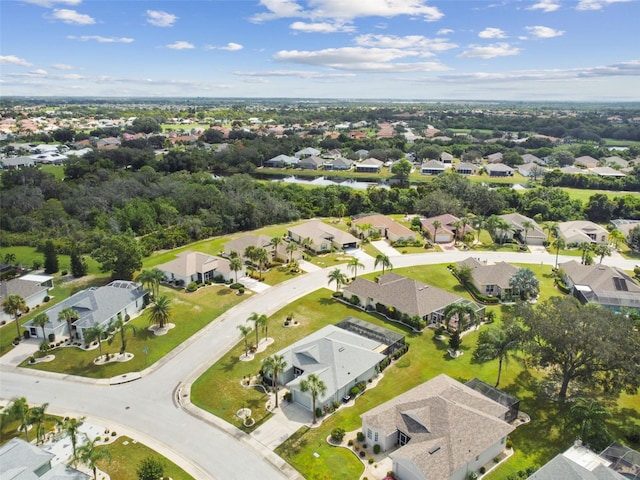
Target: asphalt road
[(149, 410)]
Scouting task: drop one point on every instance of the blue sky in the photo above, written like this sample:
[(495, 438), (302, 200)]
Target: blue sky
[(529, 50)]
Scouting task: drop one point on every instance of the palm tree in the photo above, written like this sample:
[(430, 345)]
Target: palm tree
[(306, 242), (68, 315), (464, 221), (258, 321), (525, 282), (616, 235), (590, 416), (19, 410), (245, 331), (71, 427), (90, 453), (602, 251), (457, 225), (436, 225), (479, 223), (14, 305), (460, 311), (275, 243), (291, 247), (552, 230), (315, 387), (38, 418), (353, 265), (151, 278), (235, 265), (526, 226), (122, 327), (496, 343), (272, 366), (160, 313), (338, 277), (559, 243), (94, 333), (384, 261), (10, 259), (41, 321), (262, 257), (503, 227), (585, 247)]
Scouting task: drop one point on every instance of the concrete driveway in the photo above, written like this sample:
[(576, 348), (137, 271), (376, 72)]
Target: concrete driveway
[(385, 248), (288, 418)]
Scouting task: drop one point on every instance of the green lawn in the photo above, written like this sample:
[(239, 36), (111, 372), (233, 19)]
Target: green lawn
[(26, 256), (127, 454), (584, 195), (190, 313), (56, 170)]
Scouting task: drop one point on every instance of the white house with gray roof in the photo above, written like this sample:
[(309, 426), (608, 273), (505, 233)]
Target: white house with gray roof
[(441, 430), (95, 306), (32, 288), (20, 460), (338, 357), (196, 267)]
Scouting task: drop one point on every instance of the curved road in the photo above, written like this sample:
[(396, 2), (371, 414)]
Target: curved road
[(149, 409)]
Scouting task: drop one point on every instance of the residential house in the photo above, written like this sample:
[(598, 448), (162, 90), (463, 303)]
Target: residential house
[(32, 288), (109, 143), (307, 152), (447, 232), (498, 170), (581, 463), (340, 358), (441, 429), (238, 246), (447, 159), (491, 280), (466, 168), (607, 172), (339, 163), (579, 231), (529, 158), (432, 167), (196, 267), (608, 286), (624, 225), (405, 295), (95, 306), (532, 170), (322, 237), (17, 162), (497, 395), (281, 161), (386, 227), (585, 161), (495, 157), (535, 235), (311, 163), (370, 165), (616, 161), (362, 153), (20, 460), (572, 170)]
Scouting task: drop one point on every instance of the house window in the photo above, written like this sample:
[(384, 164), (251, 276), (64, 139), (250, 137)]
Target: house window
[(490, 288), (477, 457), (375, 437), (403, 438), (369, 433), (297, 371)]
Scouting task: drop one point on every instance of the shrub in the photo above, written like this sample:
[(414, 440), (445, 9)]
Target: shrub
[(287, 396), (337, 434), (496, 460), (319, 412), (350, 442), (509, 444), (64, 273), (482, 470), (376, 448), (127, 317), (192, 287), (336, 404), (241, 291), (633, 435), (26, 334), (236, 286), (52, 337), (360, 436), (362, 454), (371, 460), (354, 391), (32, 359), (113, 434), (46, 299)]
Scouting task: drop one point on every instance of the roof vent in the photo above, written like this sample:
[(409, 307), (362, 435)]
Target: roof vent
[(433, 450)]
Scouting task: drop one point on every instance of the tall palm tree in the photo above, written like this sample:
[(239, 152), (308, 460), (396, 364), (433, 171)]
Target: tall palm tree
[(94, 333), (616, 235), (552, 230), (464, 221), (122, 327), (151, 278), (524, 281), (14, 305), (38, 418), (584, 247), (291, 247), (384, 261), (496, 343), (235, 265), (306, 243), (316, 387), (457, 225), (602, 251), (337, 276), (245, 331), (353, 265), (41, 321), (262, 258), (71, 428), (437, 224), (275, 243), (559, 243), (272, 366), (258, 321), (591, 418), (68, 315), (503, 227), (10, 259), (160, 313), (526, 226), (460, 311), (19, 410), (479, 223), (90, 453)]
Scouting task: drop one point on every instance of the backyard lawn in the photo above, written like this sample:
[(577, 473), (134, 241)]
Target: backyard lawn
[(190, 313)]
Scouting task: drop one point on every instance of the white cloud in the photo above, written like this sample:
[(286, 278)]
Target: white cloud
[(100, 39), (50, 3), (359, 59), (13, 60), (231, 47), (539, 31), (445, 31), (180, 45), (596, 4), (546, 6), (158, 18), (492, 32), (414, 42), (71, 16), (39, 72), (72, 76), (489, 51), (341, 10), (321, 27), (295, 73), (62, 66)]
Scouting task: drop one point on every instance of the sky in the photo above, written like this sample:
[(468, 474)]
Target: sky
[(423, 50)]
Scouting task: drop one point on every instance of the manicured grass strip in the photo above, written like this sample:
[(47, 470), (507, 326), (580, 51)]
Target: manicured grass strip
[(125, 460), (190, 313)]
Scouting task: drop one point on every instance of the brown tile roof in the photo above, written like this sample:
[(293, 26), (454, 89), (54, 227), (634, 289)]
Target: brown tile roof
[(383, 222), (496, 274)]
